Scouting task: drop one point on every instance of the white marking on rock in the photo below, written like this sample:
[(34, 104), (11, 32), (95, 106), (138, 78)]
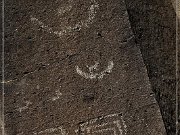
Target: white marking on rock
[(105, 130), (114, 124), (103, 127), (69, 29), (111, 115), (24, 107), (124, 125), (94, 67), (63, 10), (92, 75), (58, 94), (119, 126), (46, 27), (8, 81), (92, 14), (60, 130), (107, 70)]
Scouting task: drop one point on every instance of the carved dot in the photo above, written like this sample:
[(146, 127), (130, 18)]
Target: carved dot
[(99, 34), (88, 98)]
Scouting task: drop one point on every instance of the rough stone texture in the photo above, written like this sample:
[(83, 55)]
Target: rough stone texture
[(1, 94), (176, 5), (154, 25), (44, 93)]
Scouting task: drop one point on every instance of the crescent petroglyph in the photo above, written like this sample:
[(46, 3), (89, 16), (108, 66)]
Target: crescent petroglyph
[(92, 75)]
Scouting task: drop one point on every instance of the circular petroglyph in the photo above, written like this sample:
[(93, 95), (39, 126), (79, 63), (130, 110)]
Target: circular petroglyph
[(91, 13)]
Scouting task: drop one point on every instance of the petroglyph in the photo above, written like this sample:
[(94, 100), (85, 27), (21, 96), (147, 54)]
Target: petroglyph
[(8, 81), (94, 67), (52, 131), (58, 94), (68, 29), (5, 82), (105, 130), (24, 107), (92, 75), (62, 10), (111, 124), (92, 13)]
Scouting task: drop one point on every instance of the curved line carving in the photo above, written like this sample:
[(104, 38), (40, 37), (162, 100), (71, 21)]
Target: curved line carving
[(92, 75), (68, 29)]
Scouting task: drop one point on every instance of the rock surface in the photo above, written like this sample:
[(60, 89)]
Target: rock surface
[(154, 26), (73, 67)]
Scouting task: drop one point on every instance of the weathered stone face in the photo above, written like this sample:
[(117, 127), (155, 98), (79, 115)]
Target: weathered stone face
[(176, 5), (73, 68), (154, 25)]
